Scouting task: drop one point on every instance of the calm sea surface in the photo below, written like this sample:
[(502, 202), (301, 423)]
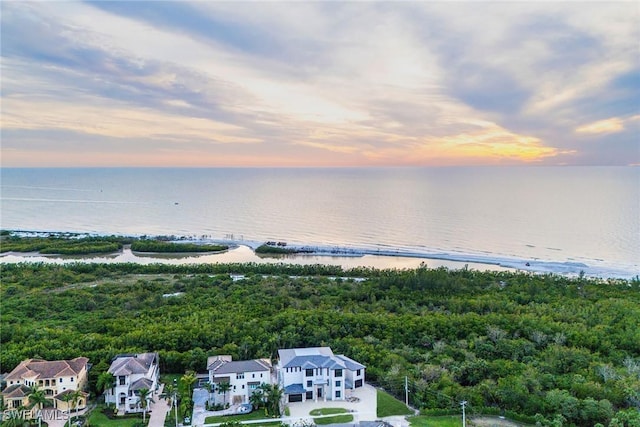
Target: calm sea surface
[(563, 219)]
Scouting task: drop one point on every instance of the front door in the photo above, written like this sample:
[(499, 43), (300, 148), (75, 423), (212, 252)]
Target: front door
[(319, 392)]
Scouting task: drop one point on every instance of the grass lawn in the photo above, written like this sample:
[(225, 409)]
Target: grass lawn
[(98, 419), (255, 415), (445, 421), (344, 417), (389, 405)]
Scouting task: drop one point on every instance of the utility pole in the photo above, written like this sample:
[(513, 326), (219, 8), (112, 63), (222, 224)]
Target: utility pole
[(406, 391), (175, 398), (464, 420)]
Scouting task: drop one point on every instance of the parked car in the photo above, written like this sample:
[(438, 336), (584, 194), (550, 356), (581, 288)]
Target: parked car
[(245, 408)]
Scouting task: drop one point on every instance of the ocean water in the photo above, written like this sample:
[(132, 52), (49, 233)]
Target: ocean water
[(558, 219)]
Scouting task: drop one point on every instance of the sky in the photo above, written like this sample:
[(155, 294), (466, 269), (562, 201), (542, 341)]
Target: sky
[(319, 84)]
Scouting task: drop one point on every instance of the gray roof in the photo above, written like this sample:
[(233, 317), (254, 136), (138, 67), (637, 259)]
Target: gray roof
[(132, 363), (142, 383), (240, 366), (310, 362), (316, 357), (214, 361), (351, 364), (294, 389), (287, 354)]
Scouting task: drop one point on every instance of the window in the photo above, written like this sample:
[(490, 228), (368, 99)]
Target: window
[(240, 376), (260, 375), (338, 373), (243, 386), (309, 395), (121, 379), (338, 383), (308, 372), (60, 380), (309, 383), (358, 372), (71, 379), (337, 394), (253, 375)]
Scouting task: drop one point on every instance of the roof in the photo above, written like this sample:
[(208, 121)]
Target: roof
[(311, 362), (213, 361), (241, 366), (285, 355), (294, 389), (60, 396), (316, 357), (142, 383), (127, 364), (351, 364), (16, 391), (42, 369)]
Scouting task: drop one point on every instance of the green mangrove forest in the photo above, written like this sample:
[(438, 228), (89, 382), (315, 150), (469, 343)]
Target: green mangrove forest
[(544, 348), (73, 244)]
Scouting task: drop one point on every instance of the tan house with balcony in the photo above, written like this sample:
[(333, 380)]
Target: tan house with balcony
[(57, 378)]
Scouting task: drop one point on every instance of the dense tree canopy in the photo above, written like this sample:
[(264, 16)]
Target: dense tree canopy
[(531, 344)]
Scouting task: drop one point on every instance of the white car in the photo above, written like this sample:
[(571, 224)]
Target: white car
[(245, 408)]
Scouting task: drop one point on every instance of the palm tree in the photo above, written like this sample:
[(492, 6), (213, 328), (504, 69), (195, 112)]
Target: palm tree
[(75, 398), (257, 398), (274, 395), (105, 382), (210, 388), (14, 420), (68, 397), (223, 388), (143, 394), (167, 393), (37, 398), (188, 379)]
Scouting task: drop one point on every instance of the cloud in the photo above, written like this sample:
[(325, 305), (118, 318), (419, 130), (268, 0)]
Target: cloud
[(602, 126), (312, 83)]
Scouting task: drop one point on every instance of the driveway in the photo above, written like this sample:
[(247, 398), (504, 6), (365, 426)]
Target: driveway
[(364, 410), (200, 396), (158, 409)]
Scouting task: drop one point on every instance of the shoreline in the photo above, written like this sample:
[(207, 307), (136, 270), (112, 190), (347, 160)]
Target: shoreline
[(332, 254)]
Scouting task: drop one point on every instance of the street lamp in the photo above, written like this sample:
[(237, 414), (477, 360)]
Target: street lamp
[(464, 421), (175, 398)]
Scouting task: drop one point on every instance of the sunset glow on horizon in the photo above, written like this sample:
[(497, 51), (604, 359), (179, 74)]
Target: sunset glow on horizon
[(319, 84)]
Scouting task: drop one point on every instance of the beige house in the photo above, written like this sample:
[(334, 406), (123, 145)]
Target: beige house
[(57, 378)]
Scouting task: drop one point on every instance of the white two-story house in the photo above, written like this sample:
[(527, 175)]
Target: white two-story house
[(243, 376), (132, 372), (317, 374)]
